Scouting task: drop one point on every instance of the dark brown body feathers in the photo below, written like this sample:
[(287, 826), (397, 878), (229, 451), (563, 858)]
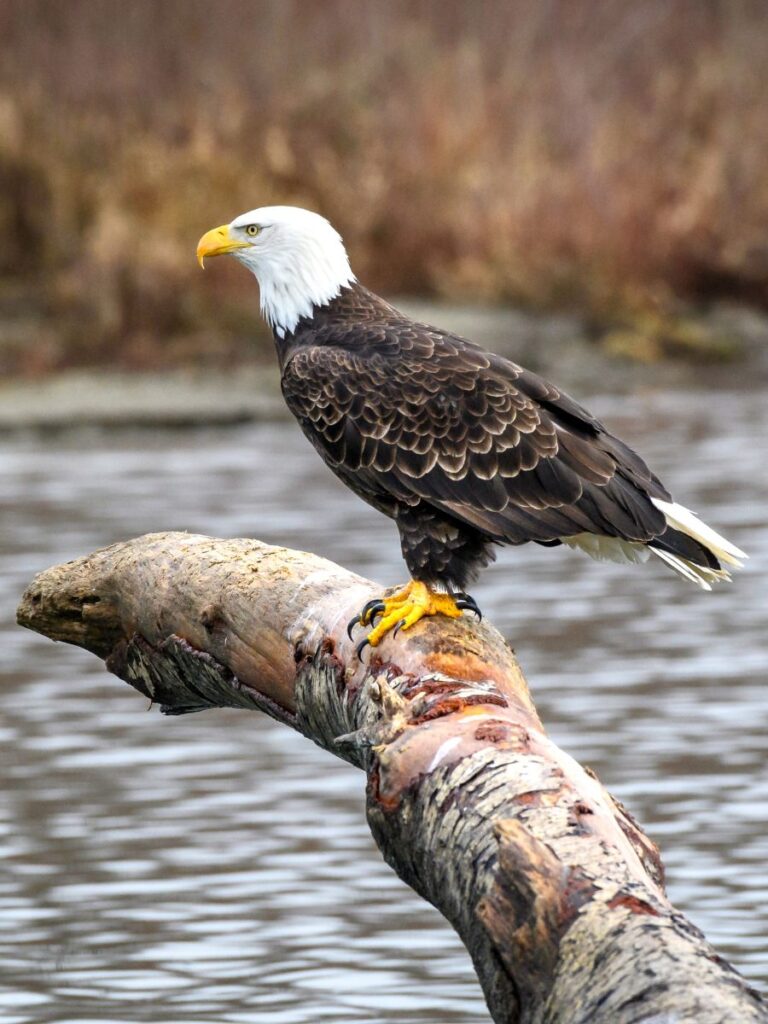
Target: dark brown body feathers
[(462, 448)]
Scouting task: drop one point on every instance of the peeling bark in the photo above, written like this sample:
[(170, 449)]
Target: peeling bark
[(552, 886)]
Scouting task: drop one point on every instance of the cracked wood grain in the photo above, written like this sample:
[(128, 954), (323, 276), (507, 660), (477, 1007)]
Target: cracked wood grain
[(551, 884)]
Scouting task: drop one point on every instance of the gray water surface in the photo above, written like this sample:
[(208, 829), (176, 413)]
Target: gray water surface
[(217, 867)]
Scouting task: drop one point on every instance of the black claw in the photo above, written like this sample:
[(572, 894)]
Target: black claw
[(360, 648), (398, 627), (375, 605), (367, 615), (378, 609), (467, 603)]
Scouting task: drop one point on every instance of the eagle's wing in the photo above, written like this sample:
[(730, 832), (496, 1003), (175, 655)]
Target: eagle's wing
[(425, 416)]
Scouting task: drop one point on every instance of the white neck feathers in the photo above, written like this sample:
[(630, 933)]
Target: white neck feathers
[(299, 261)]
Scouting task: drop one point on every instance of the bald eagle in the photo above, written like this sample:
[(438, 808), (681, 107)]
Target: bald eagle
[(461, 447)]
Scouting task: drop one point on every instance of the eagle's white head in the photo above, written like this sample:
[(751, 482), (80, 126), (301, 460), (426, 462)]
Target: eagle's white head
[(298, 258)]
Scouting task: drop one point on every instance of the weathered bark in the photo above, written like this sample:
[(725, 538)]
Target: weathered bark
[(551, 885)]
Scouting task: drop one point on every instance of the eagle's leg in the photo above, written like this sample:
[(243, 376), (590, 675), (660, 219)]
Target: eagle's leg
[(435, 548), (404, 609)]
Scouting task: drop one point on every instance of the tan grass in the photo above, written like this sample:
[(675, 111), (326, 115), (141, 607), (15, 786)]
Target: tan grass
[(610, 155)]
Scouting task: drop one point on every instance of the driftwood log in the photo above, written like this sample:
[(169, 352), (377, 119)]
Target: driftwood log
[(550, 883)]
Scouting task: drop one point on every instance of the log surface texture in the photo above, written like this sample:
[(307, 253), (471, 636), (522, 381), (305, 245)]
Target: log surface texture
[(551, 885)]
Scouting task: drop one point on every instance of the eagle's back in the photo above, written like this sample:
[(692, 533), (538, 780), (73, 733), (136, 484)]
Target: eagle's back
[(421, 422)]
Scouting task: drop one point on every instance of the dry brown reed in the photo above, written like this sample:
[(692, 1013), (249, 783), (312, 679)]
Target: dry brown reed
[(608, 155)]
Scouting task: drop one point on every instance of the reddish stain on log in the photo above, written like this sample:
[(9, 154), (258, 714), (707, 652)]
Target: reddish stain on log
[(373, 785), (466, 666), (501, 732), (328, 645), (637, 906), (437, 687), (451, 705), (579, 890)]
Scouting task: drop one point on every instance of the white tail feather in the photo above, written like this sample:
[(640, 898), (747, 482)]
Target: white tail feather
[(614, 549), (701, 575), (682, 519)]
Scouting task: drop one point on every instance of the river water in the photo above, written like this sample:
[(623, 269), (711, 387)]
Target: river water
[(217, 867)]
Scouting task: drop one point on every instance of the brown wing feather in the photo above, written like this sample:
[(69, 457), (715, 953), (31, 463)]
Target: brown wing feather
[(410, 414)]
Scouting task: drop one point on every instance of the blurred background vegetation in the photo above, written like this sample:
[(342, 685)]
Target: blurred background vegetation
[(609, 157)]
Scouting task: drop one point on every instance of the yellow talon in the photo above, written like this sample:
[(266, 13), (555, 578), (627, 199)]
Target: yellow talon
[(410, 604)]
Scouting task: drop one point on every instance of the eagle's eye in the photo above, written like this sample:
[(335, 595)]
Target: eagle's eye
[(252, 229)]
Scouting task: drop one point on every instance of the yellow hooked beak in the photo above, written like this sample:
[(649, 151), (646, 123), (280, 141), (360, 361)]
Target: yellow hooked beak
[(217, 242)]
